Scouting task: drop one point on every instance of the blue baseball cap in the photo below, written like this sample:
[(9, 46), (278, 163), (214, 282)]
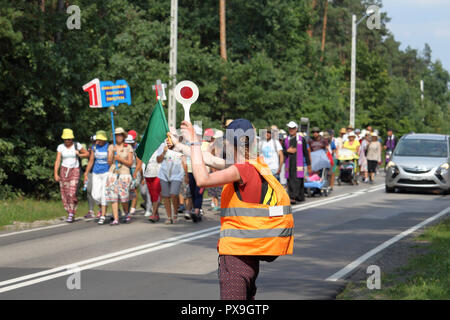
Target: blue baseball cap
[(241, 127)]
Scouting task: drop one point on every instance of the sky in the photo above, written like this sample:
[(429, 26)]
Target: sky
[(416, 22)]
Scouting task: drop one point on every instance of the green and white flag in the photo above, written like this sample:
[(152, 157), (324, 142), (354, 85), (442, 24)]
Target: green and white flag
[(155, 133)]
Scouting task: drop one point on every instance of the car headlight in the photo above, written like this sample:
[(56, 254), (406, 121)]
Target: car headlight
[(444, 166), (442, 171), (390, 164)]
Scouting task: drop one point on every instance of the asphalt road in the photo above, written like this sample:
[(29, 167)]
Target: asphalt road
[(157, 261)]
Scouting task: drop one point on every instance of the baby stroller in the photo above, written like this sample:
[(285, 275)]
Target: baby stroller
[(347, 167), (317, 184)]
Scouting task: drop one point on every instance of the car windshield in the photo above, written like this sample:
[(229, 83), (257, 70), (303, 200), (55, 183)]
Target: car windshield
[(422, 148)]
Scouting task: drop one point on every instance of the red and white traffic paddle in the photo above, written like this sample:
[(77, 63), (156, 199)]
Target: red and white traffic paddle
[(186, 93)]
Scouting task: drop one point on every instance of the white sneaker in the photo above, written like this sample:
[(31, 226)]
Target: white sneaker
[(101, 220), (148, 213)]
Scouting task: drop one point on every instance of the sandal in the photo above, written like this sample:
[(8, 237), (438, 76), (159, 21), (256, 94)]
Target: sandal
[(70, 218), (169, 221), (89, 215), (152, 219), (114, 223)]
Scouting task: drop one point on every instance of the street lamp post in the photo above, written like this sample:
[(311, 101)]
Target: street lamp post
[(353, 65), (353, 73)]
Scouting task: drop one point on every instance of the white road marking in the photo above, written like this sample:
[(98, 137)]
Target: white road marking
[(75, 266), (305, 206), (351, 266), (31, 230), (110, 255), (62, 271)]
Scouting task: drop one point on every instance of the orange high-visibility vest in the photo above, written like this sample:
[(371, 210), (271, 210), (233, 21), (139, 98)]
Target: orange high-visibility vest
[(257, 229)]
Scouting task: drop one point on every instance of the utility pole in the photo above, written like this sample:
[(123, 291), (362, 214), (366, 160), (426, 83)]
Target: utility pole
[(223, 37), (172, 115), (421, 91), (369, 11), (353, 73), (421, 96)]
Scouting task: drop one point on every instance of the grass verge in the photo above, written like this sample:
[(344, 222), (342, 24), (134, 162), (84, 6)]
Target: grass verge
[(424, 277), (30, 210)]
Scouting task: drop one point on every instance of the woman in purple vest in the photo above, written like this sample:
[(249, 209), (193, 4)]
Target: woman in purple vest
[(296, 153)]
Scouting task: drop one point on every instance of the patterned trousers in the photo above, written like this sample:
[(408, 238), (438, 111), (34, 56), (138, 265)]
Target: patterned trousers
[(237, 277), (68, 185)]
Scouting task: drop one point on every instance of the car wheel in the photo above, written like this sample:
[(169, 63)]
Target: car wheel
[(389, 190)]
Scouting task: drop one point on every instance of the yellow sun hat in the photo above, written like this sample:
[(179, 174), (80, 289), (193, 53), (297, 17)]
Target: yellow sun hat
[(101, 135), (67, 134)]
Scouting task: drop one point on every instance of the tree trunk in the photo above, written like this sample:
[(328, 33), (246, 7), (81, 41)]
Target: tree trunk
[(60, 11), (41, 26), (223, 51), (310, 31), (324, 30), (223, 39)]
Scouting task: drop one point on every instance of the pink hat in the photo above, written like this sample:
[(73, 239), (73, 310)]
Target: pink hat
[(209, 132)]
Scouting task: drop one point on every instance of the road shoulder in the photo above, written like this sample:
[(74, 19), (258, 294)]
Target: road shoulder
[(412, 268)]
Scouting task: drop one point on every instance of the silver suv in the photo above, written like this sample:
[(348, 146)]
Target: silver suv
[(420, 161)]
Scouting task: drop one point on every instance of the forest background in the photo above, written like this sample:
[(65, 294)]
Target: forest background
[(285, 59)]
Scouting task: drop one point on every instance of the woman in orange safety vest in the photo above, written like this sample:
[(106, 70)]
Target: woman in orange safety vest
[(256, 218)]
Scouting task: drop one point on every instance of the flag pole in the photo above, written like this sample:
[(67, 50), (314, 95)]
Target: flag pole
[(158, 99)]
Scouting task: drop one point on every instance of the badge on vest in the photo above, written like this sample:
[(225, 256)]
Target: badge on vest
[(275, 211)]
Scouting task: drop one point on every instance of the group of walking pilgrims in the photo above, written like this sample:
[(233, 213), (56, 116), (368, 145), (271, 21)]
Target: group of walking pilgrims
[(261, 176), (113, 173)]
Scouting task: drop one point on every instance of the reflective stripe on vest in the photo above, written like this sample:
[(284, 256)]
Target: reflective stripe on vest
[(257, 228), (250, 212), (259, 233)]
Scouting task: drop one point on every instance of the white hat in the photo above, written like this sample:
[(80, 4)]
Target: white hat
[(363, 132), (352, 134), (374, 134), (129, 139), (292, 124), (218, 134), (282, 131)]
